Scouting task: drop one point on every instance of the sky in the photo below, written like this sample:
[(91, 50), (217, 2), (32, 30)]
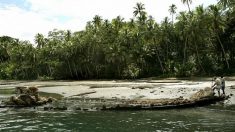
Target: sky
[(23, 19)]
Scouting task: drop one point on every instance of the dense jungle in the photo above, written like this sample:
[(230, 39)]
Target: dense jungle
[(197, 42)]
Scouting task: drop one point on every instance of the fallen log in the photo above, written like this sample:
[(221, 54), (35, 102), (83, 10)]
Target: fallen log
[(157, 106), (201, 98)]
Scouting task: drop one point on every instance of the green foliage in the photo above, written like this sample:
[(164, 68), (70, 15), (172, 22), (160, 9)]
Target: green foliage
[(132, 71), (186, 70), (200, 42), (5, 71)]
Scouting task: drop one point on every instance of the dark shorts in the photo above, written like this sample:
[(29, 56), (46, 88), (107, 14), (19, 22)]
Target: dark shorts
[(222, 87)]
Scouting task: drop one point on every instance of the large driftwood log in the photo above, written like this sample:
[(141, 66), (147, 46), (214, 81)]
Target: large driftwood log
[(202, 97)]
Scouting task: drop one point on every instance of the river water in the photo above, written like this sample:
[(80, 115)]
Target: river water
[(218, 117)]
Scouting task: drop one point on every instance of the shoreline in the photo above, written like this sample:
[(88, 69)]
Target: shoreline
[(123, 90)]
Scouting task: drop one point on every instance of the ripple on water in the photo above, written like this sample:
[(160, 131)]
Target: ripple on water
[(8, 128), (30, 128), (173, 120), (59, 124), (15, 121)]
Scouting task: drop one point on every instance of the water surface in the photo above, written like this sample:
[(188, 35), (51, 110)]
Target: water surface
[(210, 118)]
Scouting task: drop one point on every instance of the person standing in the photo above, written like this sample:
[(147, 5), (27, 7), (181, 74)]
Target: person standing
[(217, 85), (222, 84)]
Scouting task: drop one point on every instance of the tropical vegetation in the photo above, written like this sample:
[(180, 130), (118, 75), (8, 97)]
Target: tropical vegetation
[(199, 42)]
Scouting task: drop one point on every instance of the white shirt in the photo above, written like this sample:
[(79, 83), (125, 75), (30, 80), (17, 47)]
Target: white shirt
[(217, 83)]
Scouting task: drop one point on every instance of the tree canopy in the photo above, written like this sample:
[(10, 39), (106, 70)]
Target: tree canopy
[(199, 42)]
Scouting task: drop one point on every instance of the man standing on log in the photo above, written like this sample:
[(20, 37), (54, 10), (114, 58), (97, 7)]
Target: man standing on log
[(222, 84), (217, 85)]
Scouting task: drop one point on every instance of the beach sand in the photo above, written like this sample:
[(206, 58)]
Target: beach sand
[(125, 89)]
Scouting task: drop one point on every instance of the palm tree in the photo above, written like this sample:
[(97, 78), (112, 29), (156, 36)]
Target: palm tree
[(140, 13), (139, 9), (39, 40), (172, 11), (187, 2), (142, 18), (150, 22), (68, 35), (106, 23), (227, 3), (97, 20), (217, 26), (184, 27), (117, 23)]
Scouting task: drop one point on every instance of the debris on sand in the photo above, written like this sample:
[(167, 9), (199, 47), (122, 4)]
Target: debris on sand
[(27, 96), (205, 93), (81, 94)]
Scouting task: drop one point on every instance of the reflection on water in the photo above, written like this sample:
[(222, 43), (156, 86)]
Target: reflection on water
[(212, 118), (7, 91)]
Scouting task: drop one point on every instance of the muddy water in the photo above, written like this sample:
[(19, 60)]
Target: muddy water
[(215, 117)]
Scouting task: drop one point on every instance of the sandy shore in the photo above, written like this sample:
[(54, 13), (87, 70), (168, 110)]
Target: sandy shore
[(122, 89)]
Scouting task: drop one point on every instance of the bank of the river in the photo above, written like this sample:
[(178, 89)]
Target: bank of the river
[(90, 92), (216, 117)]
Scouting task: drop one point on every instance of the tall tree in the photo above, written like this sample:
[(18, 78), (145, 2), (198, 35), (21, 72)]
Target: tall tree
[(201, 41), (39, 40), (172, 11), (188, 2), (217, 27), (97, 21), (139, 9), (139, 12)]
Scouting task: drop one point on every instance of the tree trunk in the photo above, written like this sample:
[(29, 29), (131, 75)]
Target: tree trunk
[(222, 47), (76, 70), (167, 51), (70, 70), (185, 47), (158, 57), (198, 59), (160, 62), (188, 7), (50, 70)]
